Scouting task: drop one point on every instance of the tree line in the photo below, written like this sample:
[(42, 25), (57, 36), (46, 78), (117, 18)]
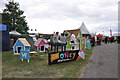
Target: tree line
[(13, 17)]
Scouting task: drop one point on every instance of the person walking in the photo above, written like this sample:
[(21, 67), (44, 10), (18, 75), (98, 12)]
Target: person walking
[(118, 39), (106, 40), (111, 39), (63, 42), (98, 41), (103, 40), (93, 41)]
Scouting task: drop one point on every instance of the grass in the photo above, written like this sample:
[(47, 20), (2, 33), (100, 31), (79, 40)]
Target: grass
[(13, 67)]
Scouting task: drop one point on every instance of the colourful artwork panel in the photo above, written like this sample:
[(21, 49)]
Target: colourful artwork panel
[(65, 56)]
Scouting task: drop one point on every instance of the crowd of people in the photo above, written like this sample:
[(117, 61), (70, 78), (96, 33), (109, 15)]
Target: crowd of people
[(57, 40), (105, 39)]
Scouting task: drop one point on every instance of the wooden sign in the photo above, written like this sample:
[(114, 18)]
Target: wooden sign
[(65, 56), (24, 55)]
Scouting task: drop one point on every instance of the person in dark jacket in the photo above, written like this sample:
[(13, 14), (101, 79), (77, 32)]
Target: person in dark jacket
[(106, 39), (98, 41), (51, 42), (118, 39)]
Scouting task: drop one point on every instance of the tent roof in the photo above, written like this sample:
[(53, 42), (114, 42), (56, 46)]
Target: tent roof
[(83, 29), (24, 42), (14, 33)]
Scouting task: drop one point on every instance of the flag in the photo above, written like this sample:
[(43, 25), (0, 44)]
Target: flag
[(110, 32)]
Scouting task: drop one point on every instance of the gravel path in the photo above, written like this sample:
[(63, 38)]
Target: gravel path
[(103, 63)]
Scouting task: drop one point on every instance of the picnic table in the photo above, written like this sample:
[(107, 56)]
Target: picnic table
[(33, 53)]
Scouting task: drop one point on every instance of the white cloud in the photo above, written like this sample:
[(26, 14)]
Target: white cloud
[(57, 15)]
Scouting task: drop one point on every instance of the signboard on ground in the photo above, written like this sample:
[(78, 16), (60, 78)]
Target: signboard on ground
[(24, 55), (59, 57)]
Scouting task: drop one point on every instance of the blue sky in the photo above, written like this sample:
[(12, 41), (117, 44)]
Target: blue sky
[(48, 16)]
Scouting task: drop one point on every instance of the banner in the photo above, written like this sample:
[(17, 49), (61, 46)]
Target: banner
[(3, 27), (24, 55), (110, 32), (59, 57)]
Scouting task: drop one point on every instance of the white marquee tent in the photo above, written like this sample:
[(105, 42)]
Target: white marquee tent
[(83, 29)]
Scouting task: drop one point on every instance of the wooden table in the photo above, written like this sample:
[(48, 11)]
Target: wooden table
[(33, 53)]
